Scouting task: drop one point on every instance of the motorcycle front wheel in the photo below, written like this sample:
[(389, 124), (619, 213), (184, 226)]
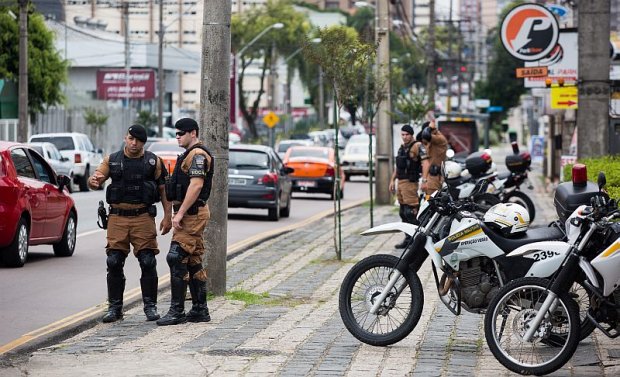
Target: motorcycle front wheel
[(523, 200), (508, 318), (398, 314)]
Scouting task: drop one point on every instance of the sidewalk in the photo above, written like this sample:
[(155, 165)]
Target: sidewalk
[(297, 330)]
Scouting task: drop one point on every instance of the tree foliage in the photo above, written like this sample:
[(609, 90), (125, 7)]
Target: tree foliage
[(47, 70), (246, 26), (410, 108), (501, 86), (96, 119)]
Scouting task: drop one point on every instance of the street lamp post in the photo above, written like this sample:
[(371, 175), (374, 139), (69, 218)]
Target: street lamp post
[(238, 55)]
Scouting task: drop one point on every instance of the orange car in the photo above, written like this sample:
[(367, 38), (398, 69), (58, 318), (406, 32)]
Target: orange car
[(168, 151), (315, 170)]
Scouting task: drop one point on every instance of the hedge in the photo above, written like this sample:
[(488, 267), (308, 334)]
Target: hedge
[(610, 165)]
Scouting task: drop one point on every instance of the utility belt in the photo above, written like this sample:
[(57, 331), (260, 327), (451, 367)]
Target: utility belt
[(151, 210), (193, 210)]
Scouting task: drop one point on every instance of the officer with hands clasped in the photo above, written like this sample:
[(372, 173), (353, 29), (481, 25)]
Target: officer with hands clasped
[(138, 179), (408, 169), (188, 189)]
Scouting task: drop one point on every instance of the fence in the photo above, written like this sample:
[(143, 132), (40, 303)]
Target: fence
[(8, 129)]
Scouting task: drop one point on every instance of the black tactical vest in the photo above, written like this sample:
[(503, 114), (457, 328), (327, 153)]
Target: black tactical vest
[(133, 179), (406, 168), (179, 181)]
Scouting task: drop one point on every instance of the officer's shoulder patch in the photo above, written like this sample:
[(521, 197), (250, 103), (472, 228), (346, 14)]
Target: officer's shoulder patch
[(152, 161), (199, 160)]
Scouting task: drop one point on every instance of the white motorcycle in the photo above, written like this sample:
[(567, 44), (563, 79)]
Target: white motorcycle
[(381, 298), (532, 326)]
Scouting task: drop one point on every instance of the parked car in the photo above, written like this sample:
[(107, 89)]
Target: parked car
[(257, 178), (314, 170), (284, 145), (354, 160), (61, 164), (168, 151), (78, 148), (35, 206)]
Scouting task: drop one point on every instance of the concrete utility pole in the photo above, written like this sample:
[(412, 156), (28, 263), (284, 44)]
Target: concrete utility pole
[(214, 122), (430, 54), (24, 124), (160, 73), (593, 113), (384, 123)]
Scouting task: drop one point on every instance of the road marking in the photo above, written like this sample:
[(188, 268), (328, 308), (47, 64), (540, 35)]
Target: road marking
[(136, 292)]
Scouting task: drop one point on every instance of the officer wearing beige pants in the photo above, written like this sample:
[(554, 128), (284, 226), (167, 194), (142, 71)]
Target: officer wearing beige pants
[(436, 146), (189, 189), (137, 184)]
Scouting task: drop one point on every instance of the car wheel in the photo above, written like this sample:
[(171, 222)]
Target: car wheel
[(66, 246), (16, 253), (274, 213), (286, 211), (83, 181)]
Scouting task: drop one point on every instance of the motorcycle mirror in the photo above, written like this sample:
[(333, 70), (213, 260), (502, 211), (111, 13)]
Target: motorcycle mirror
[(602, 180)]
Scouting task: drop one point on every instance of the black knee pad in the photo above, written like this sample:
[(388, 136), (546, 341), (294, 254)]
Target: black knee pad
[(116, 262), (148, 263), (410, 214), (175, 260)]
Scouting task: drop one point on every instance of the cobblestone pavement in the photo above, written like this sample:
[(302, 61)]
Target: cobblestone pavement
[(297, 330)]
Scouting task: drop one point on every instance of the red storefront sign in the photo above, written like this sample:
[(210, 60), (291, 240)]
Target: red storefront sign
[(113, 84)]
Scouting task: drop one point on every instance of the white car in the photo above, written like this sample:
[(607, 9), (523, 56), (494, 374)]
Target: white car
[(354, 160), (78, 148), (61, 164)]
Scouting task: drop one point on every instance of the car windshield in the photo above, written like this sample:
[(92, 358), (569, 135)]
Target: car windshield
[(283, 147), (307, 152), (357, 149), (248, 160), (165, 147), (63, 143)]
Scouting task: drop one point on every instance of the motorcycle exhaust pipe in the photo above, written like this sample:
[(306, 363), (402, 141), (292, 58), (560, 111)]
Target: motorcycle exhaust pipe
[(445, 284)]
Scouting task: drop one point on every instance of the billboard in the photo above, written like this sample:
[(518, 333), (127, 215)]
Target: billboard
[(561, 63), (115, 84)]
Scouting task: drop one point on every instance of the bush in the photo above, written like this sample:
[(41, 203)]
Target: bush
[(610, 165)]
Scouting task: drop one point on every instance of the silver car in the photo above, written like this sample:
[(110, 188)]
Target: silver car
[(62, 165)]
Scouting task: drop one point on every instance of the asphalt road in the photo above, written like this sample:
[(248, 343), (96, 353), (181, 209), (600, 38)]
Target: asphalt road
[(48, 289)]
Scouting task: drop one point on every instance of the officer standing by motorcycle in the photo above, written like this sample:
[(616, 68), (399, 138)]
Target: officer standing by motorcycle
[(137, 184), (189, 189), (408, 170), (436, 146)]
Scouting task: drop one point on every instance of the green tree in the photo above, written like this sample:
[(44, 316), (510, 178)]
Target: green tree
[(96, 119), (147, 119), (47, 71), (410, 108), (501, 86), (287, 40)]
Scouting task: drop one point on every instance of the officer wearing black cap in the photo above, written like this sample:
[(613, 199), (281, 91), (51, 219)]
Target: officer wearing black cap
[(435, 145), (407, 172), (188, 190), (137, 184)]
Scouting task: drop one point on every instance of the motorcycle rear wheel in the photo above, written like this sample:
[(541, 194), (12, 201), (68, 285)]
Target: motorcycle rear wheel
[(398, 315), (508, 317)]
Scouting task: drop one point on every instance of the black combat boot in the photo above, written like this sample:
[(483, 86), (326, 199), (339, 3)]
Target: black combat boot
[(116, 287), (149, 297), (199, 311), (176, 314), (404, 243)]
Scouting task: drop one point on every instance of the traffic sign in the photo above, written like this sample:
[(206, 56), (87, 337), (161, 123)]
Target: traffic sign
[(564, 97), (531, 72), (529, 32), (495, 109), (271, 119)]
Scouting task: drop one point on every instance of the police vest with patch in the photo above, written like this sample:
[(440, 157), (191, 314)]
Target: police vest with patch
[(133, 179), (406, 168), (179, 182)]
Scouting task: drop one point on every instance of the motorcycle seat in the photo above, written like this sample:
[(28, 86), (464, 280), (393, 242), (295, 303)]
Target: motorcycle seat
[(530, 236), (503, 175), (453, 182)]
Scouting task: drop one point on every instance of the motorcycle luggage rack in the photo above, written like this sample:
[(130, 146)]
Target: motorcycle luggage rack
[(455, 288)]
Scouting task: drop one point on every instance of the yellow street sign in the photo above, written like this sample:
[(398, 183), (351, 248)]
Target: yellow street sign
[(564, 97), (271, 119)]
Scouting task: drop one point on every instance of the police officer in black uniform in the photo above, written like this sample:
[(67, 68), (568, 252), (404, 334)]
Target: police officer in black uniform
[(137, 184), (408, 170)]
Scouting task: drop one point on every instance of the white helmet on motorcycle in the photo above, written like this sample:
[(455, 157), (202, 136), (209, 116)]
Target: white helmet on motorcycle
[(452, 169), (509, 219)]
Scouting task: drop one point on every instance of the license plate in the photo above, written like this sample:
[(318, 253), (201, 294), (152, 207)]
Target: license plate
[(306, 183), (236, 181)]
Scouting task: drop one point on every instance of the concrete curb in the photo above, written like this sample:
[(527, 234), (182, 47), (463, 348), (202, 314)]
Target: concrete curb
[(88, 318)]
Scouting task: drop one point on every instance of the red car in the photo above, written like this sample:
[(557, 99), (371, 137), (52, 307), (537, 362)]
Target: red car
[(35, 206)]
